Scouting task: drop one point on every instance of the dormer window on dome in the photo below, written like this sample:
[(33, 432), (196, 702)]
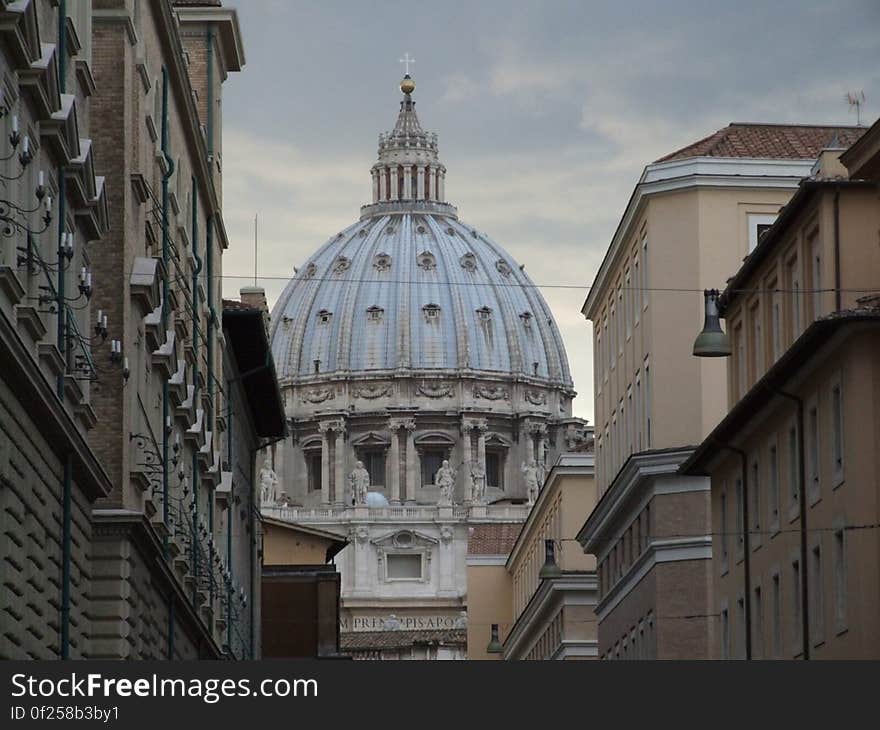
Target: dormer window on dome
[(324, 316), (484, 314), (375, 314), (432, 312)]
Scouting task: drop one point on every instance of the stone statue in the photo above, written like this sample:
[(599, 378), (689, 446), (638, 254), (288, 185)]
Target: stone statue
[(445, 479), (359, 480), (478, 478), (268, 484), (530, 474)]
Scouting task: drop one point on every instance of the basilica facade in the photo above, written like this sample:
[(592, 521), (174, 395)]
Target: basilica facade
[(427, 390)]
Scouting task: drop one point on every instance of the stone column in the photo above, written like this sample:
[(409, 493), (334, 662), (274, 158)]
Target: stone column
[(339, 464), (432, 182), (420, 184), (393, 195), (324, 428), (394, 461), (466, 427), (407, 182), (412, 463), (375, 186), (383, 184), (441, 186)]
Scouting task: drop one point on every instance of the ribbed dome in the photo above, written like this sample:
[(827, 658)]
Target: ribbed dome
[(409, 287)]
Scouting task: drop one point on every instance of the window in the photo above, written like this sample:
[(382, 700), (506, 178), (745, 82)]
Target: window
[(724, 549), (796, 606), (777, 324), (813, 449), (755, 489), (607, 347), (837, 432), (403, 566), (759, 224), (621, 316), (741, 628), (495, 469), (794, 287), (631, 421), (756, 341), (644, 273), (374, 463), (432, 460), (757, 624), (612, 349), (817, 604), (636, 280), (739, 518), (773, 495), (313, 465), (598, 360), (839, 581), (741, 365), (640, 410), (629, 303), (777, 615), (647, 404), (793, 470), (725, 634)]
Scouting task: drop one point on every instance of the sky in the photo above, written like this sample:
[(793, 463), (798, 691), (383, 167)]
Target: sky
[(546, 110)]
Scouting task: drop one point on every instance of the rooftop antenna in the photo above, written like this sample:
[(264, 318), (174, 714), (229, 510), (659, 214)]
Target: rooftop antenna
[(256, 239), (855, 99)]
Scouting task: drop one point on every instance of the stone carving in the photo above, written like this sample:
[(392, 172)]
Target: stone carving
[(359, 481), (478, 479), (445, 480), (268, 484), (469, 262), (371, 392), (427, 261), (491, 392), (318, 395), (310, 270), (392, 623), (536, 397), (360, 534), (435, 390), (526, 318), (530, 475), (462, 621), (382, 262), (341, 265), (446, 534), (502, 267)]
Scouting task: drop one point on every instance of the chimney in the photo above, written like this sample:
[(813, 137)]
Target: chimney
[(255, 296)]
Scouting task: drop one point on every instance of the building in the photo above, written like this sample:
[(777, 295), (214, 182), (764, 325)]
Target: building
[(301, 591), (794, 470), (54, 217), (162, 433), (692, 218), (413, 344), (253, 417), (537, 599)]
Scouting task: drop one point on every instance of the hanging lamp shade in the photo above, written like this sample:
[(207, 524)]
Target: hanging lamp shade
[(550, 569), (494, 646), (712, 341)]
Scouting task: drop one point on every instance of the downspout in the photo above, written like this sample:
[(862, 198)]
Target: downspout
[(195, 342), (166, 254), (837, 293), (62, 203), (747, 562), (67, 486), (802, 504)]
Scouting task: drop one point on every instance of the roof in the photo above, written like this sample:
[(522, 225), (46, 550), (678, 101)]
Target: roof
[(400, 639), (337, 541), (495, 538), (771, 141), (792, 360), (862, 158), (249, 346), (199, 3)]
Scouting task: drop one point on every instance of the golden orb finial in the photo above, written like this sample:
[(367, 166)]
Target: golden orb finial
[(407, 86)]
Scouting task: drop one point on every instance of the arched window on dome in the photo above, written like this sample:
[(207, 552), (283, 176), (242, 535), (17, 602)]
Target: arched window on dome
[(414, 182), (400, 182), (427, 182)]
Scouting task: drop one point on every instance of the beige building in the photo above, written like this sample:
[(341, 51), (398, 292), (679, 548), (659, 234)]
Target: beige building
[(794, 464), (536, 593), (692, 218)]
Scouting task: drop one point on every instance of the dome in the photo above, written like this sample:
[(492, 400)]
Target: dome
[(410, 287), (376, 499)]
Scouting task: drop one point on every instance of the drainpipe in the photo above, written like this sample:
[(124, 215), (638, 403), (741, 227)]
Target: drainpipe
[(66, 520), (802, 504), (747, 561), (195, 340), (837, 293), (166, 254), (67, 486)]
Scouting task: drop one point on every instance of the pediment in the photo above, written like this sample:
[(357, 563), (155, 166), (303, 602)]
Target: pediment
[(405, 540), (370, 439)]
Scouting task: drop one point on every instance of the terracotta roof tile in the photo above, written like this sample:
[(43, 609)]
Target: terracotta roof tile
[(362, 640), (770, 141), (497, 538)]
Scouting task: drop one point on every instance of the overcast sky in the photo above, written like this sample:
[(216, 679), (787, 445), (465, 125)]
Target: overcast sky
[(546, 113)]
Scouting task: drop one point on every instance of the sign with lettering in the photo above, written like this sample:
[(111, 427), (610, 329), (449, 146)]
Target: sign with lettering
[(392, 622)]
